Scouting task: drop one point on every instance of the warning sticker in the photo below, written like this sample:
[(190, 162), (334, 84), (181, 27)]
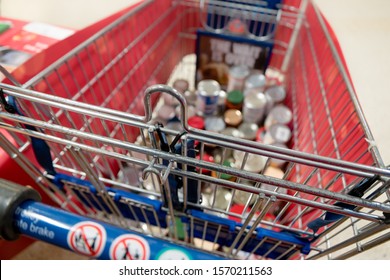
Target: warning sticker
[(173, 254), (129, 247), (87, 238)]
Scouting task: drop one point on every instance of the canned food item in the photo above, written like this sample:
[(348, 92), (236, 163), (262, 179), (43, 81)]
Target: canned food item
[(207, 97), (255, 82), (166, 112), (228, 163), (279, 114), (232, 117), (215, 124), (277, 133), (254, 107), (237, 76), (223, 196), (181, 85), (234, 100), (248, 131), (276, 93), (243, 197), (196, 122), (279, 163), (191, 111), (254, 163), (190, 97), (222, 101)]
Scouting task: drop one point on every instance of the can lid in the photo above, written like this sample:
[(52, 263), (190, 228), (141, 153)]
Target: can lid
[(196, 122), (240, 71), (281, 114), (255, 100), (235, 97), (276, 93), (210, 87), (248, 130), (216, 124), (233, 117), (181, 85), (280, 133), (257, 80)]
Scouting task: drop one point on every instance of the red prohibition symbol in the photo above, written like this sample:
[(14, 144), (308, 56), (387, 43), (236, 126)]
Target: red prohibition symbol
[(87, 238)]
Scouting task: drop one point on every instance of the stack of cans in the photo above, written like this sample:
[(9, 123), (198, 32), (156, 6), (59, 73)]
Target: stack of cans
[(251, 107)]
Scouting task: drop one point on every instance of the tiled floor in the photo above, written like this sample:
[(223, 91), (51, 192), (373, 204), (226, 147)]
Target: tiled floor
[(363, 29)]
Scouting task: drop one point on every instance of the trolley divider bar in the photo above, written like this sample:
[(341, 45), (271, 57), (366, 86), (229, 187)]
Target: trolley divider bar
[(189, 161)]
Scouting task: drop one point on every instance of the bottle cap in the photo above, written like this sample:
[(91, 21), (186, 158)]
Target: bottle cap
[(235, 97), (196, 122), (233, 117)]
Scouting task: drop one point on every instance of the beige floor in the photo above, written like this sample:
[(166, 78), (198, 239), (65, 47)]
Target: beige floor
[(362, 27)]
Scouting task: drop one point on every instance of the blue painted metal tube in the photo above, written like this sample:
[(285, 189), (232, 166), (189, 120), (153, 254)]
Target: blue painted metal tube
[(94, 238)]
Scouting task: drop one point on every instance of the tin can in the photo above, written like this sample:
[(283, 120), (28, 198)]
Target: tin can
[(222, 198), (275, 162), (276, 93), (255, 82), (237, 77), (165, 113), (279, 114), (207, 97), (254, 107), (181, 85), (243, 197), (191, 97), (215, 124), (248, 131), (232, 117), (222, 102), (254, 163), (277, 133), (224, 176)]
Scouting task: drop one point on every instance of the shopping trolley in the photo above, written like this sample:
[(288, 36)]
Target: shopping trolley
[(84, 129)]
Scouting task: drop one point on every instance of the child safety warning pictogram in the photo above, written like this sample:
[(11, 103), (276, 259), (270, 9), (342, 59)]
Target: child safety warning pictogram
[(87, 238), (129, 247)]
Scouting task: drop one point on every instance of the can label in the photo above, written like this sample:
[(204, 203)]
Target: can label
[(207, 105)]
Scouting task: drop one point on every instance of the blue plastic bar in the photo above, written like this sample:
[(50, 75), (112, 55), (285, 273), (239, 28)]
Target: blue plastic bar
[(94, 238)]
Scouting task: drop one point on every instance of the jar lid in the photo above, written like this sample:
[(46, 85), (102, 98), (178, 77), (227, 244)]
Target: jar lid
[(196, 122), (233, 117), (235, 97)]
